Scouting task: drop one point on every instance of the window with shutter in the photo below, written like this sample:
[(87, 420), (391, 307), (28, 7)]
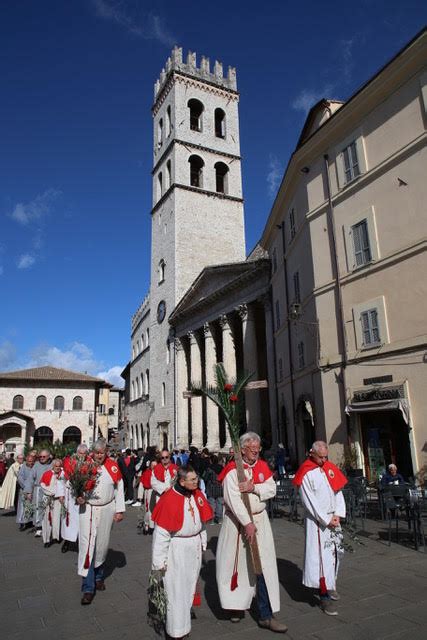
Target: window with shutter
[(351, 162), (370, 327), (361, 245)]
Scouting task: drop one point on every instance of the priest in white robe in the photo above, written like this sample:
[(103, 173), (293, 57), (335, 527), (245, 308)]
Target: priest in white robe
[(237, 584), (320, 483), (10, 486), (52, 486), (178, 541), (98, 512)]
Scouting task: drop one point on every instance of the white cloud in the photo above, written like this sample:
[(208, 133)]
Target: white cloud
[(25, 261), (307, 98), (133, 19), (7, 355), (346, 47), (112, 375), (35, 209), (274, 175)]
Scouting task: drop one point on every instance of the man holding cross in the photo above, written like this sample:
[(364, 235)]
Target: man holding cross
[(237, 582)]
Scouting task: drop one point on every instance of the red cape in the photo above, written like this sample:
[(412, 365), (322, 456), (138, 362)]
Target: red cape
[(47, 477), (159, 471), (145, 479), (169, 511), (113, 469), (260, 471), (335, 476)]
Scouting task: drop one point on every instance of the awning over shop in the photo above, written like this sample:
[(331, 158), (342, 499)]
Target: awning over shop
[(380, 405)]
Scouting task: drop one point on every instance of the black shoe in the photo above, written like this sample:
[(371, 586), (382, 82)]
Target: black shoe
[(47, 545), (22, 527), (87, 598), (65, 547)]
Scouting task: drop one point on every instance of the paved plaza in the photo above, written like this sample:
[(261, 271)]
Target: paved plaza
[(383, 591)]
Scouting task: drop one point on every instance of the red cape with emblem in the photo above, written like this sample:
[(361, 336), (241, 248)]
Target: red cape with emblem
[(145, 479), (335, 476), (260, 471), (169, 511), (159, 471), (113, 469), (47, 477)]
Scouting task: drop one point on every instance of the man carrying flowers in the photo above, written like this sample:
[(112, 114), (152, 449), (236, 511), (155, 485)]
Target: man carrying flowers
[(101, 504)]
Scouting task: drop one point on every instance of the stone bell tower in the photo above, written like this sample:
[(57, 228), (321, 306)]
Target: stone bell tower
[(197, 214)]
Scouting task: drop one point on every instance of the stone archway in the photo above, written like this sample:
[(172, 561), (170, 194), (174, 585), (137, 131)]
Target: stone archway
[(10, 436)]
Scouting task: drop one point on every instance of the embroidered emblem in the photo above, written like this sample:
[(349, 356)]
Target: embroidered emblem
[(200, 501), (331, 474), (261, 477), (114, 469)]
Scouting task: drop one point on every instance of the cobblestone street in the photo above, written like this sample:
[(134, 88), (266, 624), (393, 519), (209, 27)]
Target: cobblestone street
[(383, 591)]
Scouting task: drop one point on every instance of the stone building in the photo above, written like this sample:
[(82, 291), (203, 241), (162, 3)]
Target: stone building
[(347, 240), (48, 404), (196, 221)]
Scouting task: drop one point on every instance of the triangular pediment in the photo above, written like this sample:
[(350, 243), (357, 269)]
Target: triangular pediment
[(214, 279)]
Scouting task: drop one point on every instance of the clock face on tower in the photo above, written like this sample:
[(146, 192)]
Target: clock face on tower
[(161, 311)]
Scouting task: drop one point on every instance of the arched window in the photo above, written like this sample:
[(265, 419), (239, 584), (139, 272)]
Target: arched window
[(43, 434), (77, 403), (133, 352), (138, 388), (133, 391), (72, 435), (148, 434), (168, 351), (221, 172), (168, 174), (142, 342), (163, 394), (196, 110), (219, 123), (160, 183), (148, 336), (58, 403), (196, 171), (160, 133), (142, 384), (161, 270), (147, 382), (18, 402), (168, 121), (41, 403)]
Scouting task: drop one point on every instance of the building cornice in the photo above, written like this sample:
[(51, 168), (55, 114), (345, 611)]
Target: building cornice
[(192, 145), (185, 187)]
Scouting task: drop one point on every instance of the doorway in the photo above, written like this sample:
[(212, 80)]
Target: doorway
[(385, 438)]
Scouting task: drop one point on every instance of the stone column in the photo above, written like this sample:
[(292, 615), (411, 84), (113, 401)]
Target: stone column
[(271, 371), (196, 402), (181, 384), (250, 365), (229, 361), (211, 408)]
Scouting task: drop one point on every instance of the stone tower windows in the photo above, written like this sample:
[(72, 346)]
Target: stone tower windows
[(196, 171), (162, 266), (219, 123), (168, 174), (160, 185), (168, 121), (196, 110), (160, 133), (221, 182)]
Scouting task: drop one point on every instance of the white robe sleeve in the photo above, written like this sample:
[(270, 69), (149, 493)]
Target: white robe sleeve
[(204, 539), (312, 504), (161, 542), (119, 496), (158, 486), (48, 489), (265, 490), (233, 499), (340, 505)]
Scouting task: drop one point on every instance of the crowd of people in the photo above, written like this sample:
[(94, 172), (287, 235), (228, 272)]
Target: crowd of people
[(179, 493)]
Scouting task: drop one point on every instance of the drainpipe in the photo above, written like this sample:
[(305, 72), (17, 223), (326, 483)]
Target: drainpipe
[(291, 364), (341, 322)]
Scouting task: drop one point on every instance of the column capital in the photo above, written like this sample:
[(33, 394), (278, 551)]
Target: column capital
[(178, 344), (224, 322), (192, 337), (207, 331), (243, 311)]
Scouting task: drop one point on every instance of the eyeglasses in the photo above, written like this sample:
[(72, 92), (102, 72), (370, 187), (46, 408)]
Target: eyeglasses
[(165, 457)]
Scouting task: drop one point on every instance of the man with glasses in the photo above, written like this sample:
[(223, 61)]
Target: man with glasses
[(236, 583), (164, 474), (33, 490), (320, 483)]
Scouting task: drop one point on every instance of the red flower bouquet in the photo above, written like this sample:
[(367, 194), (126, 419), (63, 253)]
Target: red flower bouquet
[(83, 477)]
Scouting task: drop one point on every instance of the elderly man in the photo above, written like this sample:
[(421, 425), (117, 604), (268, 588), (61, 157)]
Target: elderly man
[(164, 474), (320, 484), (52, 487), (97, 514), (178, 541), (33, 490), (392, 477), (237, 584), (70, 516), (23, 518)]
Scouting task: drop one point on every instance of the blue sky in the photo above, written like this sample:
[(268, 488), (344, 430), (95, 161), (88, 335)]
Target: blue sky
[(76, 142)]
